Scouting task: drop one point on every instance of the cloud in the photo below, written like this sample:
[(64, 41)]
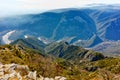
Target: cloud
[(55, 4), (52, 4), (8, 7)]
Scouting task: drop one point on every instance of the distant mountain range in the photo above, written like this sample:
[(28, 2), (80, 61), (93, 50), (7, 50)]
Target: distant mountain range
[(86, 27), (108, 47)]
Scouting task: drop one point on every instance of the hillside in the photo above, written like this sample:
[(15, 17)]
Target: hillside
[(71, 52), (93, 41), (59, 50), (63, 44), (43, 64), (74, 24), (31, 42), (109, 48), (51, 67)]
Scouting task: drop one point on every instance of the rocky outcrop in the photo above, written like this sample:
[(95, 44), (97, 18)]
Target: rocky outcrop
[(21, 72), (16, 72), (56, 78)]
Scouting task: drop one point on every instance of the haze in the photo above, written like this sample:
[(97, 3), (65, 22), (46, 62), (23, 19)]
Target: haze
[(13, 7)]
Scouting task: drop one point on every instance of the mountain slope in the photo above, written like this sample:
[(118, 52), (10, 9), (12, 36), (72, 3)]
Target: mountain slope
[(43, 64), (51, 67), (107, 19), (56, 24), (78, 25), (30, 42), (71, 52), (94, 40), (110, 48)]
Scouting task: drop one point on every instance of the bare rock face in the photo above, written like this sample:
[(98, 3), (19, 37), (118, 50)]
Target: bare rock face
[(16, 72), (56, 78), (21, 72)]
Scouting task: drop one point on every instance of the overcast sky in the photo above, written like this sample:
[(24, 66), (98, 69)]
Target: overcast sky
[(10, 7)]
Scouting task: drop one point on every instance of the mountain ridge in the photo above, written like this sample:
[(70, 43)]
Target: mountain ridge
[(70, 68), (77, 24)]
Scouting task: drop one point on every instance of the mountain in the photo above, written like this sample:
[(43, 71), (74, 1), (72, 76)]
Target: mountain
[(71, 52), (91, 25), (76, 22), (49, 66), (41, 63), (59, 49), (107, 23), (30, 42), (109, 47), (94, 40)]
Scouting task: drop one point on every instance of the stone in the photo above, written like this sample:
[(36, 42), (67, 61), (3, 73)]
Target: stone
[(32, 75), (60, 78), (14, 72), (8, 72)]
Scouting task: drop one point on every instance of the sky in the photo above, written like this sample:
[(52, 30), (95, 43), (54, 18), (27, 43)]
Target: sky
[(12, 7)]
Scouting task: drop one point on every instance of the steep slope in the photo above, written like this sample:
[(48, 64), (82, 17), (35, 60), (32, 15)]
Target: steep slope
[(109, 47), (94, 40), (59, 25), (78, 25), (107, 19), (59, 49), (30, 42), (43, 64), (51, 67), (71, 52)]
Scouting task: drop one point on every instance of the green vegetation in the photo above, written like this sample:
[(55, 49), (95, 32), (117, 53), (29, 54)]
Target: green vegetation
[(71, 52), (31, 43), (72, 62)]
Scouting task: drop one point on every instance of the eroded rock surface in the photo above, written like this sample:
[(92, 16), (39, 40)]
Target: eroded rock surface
[(21, 72)]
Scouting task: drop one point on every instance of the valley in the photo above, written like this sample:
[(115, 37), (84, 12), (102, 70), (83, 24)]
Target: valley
[(86, 27), (62, 44)]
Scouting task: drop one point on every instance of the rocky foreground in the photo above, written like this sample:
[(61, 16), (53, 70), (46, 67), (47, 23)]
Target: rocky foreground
[(21, 72)]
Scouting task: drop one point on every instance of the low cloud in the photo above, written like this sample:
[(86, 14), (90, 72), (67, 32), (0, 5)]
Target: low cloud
[(8, 7)]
